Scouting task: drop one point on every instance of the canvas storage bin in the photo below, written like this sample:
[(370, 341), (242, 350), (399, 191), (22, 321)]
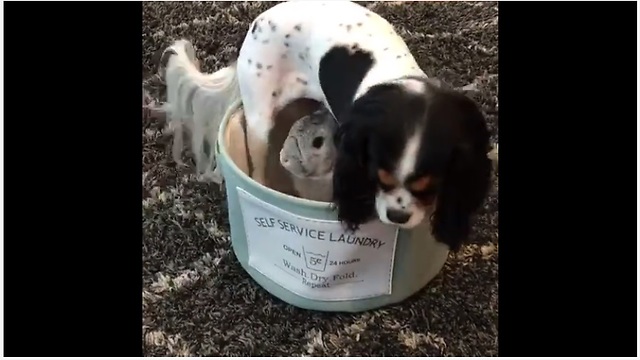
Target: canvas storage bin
[(297, 250)]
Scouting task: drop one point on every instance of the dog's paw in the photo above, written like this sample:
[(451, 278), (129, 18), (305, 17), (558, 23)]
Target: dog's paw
[(179, 163), (211, 176)]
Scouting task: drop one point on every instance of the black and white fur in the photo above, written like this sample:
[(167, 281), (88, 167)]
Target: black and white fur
[(437, 133), (391, 116)]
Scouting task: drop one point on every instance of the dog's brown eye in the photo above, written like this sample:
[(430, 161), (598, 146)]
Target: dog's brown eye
[(317, 142), (420, 184), (386, 178)]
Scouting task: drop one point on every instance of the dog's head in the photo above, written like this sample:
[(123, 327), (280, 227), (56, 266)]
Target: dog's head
[(411, 150)]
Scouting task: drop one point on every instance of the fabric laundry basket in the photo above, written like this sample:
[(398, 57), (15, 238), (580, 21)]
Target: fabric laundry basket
[(298, 251)]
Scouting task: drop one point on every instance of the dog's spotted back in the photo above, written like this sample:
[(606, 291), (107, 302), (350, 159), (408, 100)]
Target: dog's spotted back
[(311, 49)]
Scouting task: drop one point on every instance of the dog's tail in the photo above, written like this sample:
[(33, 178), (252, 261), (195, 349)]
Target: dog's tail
[(196, 102)]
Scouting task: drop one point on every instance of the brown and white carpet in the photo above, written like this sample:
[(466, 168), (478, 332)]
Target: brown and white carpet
[(197, 299)]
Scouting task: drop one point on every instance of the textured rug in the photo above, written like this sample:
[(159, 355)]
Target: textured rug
[(198, 301)]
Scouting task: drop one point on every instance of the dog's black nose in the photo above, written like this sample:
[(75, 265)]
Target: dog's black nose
[(397, 216)]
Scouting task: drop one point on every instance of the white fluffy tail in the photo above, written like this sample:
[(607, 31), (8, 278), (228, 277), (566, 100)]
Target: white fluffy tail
[(197, 102)]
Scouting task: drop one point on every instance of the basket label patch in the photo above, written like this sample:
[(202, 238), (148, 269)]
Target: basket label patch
[(318, 259)]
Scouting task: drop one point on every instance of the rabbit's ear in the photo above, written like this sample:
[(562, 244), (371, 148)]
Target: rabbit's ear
[(321, 111)]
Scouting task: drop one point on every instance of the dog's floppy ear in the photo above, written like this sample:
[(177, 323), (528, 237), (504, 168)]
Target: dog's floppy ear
[(355, 180), (466, 179), (353, 186)]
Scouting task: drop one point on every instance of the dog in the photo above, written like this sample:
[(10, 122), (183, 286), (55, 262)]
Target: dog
[(308, 155), (409, 148)]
